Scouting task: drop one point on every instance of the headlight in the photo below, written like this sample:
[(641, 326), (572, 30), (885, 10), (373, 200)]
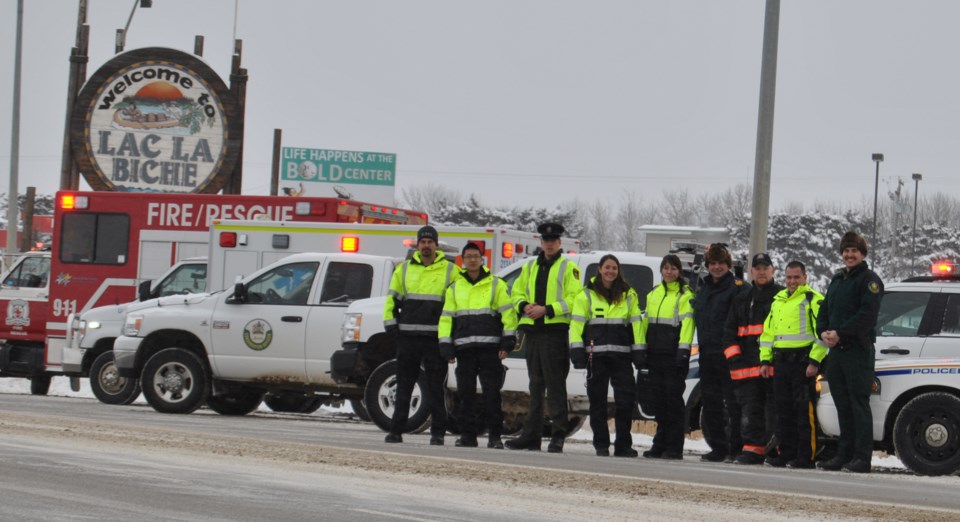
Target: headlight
[(132, 324), (93, 325), (350, 329)]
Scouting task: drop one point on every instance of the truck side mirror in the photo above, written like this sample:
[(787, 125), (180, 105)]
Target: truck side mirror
[(239, 293), (143, 291)]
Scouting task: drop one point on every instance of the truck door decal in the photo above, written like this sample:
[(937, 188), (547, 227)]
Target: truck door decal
[(257, 334), (18, 313)]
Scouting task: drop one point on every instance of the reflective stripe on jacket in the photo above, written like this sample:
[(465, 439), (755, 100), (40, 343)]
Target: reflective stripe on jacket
[(477, 314), (668, 323), (791, 324), (415, 299), (611, 327), (741, 334), (563, 285)]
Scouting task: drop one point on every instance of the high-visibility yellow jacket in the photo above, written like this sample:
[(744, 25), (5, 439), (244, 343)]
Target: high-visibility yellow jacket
[(668, 323), (478, 314), (415, 299), (792, 324), (611, 327), (553, 284)]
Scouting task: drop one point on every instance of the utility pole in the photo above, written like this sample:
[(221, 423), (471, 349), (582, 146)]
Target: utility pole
[(761, 169), (13, 210)]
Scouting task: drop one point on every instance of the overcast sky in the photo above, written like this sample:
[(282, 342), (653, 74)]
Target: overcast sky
[(535, 102)]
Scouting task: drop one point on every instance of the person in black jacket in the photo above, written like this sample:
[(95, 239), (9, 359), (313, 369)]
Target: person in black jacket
[(711, 306), (741, 337)]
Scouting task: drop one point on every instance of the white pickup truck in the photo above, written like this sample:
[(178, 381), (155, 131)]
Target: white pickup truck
[(90, 335), (273, 332), (367, 359)]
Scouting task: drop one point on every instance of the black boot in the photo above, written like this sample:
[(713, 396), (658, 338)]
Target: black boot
[(521, 443), (556, 443)]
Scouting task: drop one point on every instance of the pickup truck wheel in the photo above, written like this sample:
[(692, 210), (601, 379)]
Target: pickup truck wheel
[(360, 409), (40, 385), (240, 402), (926, 434), (107, 384), (380, 397), (174, 381)]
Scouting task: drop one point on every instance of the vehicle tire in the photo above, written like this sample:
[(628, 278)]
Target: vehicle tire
[(175, 380), (926, 434), (239, 402), (360, 409), (40, 385), (574, 423), (380, 396), (513, 423), (292, 402), (107, 384)]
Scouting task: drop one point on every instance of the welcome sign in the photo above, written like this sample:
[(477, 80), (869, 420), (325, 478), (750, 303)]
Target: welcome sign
[(155, 120)]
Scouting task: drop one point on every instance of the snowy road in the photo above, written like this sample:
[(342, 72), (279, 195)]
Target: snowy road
[(75, 458)]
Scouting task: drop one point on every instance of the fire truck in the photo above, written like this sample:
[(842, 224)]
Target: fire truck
[(106, 243)]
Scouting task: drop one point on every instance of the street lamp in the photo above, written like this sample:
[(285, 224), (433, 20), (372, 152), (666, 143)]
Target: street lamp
[(916, 187), (122, 33), (877, 158)]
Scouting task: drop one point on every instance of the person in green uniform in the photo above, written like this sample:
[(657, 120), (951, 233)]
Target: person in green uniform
[(846, 323)]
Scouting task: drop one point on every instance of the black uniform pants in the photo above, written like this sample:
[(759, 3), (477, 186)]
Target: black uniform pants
[(412, 352), (850, 375), (752, 398), (667, 380), (548, 364), (796, 406), (721, 429), (485, 363), (614, 369)]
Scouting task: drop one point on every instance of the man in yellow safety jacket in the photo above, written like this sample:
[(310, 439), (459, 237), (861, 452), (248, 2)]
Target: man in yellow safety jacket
[(411, 312), (478, 328), (791, 353), (543, 295)]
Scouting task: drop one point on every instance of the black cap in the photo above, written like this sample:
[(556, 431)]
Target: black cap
[(427, 232), (550, 230), (761, 259)]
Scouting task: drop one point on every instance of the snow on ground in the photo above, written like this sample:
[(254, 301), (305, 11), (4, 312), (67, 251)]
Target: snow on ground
[(60, 387)]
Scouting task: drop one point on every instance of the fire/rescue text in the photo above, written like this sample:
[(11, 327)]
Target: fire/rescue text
[(192, 215)]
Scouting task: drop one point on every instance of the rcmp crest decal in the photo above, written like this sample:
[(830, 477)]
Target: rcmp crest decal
[(257, 334), (18, 313)]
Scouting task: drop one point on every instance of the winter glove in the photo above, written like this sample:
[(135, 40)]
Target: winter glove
[(447, 352), (508, 343), (683, 362), (639, 358), (578, 356)]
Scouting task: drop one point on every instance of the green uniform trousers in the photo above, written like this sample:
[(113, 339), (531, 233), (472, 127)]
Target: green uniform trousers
[(850, 375), (548, 364)]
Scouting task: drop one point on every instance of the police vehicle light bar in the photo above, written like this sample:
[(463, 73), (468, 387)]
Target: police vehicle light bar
[(943, 267)]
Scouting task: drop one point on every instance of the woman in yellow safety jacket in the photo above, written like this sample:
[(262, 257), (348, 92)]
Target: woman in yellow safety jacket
[(667, 333), (605, 339)]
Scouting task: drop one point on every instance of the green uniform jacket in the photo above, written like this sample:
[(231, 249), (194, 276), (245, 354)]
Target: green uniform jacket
[(415, 299), (478, 314), (562, 287), (611, 327), (851, 307), (791, 325)]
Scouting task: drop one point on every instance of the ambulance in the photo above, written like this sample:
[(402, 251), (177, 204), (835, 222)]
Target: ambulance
[(239, 248), (106, 243)]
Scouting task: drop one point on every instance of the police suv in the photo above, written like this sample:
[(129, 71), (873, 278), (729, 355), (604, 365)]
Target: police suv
[(916, 397)]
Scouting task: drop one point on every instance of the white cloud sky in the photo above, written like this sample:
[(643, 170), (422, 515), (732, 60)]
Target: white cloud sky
[(534, 102)]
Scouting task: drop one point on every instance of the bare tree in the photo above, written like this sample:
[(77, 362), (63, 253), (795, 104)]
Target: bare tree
[(677, 208), (430, 197), (600, 223)]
